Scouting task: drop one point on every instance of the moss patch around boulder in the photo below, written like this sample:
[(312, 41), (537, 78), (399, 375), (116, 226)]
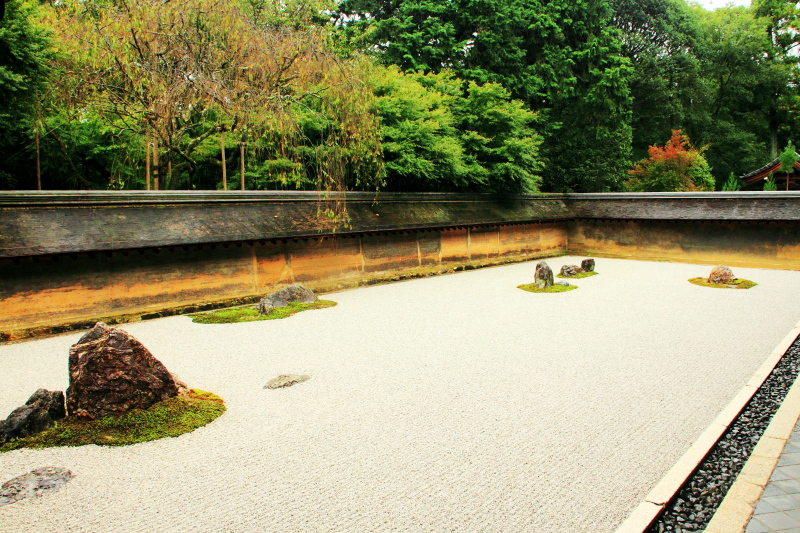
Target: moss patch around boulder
[(578, 276), (169, 418), (251, 314), (735, 284), (531, 287)]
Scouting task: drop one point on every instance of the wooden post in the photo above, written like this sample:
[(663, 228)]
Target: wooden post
[(147, 157), (222, 149)]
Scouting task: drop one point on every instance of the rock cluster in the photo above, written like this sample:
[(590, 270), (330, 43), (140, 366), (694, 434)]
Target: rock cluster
[(110, 373), (34, 483), (721, 275), (543, 278), (296, 292), (571, 270), (39, 413)]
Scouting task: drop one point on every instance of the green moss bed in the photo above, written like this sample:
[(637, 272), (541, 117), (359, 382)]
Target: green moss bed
[(735, 284), (170, 418), (250, 314), (578, 276), (531, 287)]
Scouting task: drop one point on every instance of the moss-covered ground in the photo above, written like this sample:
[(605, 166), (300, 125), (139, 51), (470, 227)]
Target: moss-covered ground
[(735, 284), (250, 314), (170, 418), (578, 276), (531, 287)]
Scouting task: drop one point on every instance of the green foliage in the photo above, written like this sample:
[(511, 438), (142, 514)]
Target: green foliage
[(788, 158), (735, 284), (733, 184), (168, 418), (531, 287), (251, 314), (676, 166), (437, 137), (25, 56), (560, 58), (770, 185)]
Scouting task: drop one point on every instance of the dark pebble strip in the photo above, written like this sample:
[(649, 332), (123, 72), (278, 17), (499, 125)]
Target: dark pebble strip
[(694, 505)]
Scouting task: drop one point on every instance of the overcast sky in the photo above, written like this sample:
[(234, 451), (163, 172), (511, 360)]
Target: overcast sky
[(713, 4)]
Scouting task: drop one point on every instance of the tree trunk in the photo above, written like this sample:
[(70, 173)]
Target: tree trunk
[(773, 137), (241, 157), (147, 158), (38, 162), (155, 163), (222, 149)]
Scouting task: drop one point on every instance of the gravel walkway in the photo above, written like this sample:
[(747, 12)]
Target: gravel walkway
[(450, 404)]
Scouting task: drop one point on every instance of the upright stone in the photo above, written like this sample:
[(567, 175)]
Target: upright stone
[(721, 275), (296, 292), (110, 373), (587, 265), (543, 278), (39, 413)]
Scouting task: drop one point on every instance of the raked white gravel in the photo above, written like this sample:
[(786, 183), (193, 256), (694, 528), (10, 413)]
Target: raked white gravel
[(450, 404)]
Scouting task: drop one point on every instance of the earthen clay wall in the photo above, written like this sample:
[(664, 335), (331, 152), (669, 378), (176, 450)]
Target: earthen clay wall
[(67, 258)]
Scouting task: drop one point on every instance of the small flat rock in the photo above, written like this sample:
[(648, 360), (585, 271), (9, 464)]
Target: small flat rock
[(564, 283), (33, 484), (285, 380)]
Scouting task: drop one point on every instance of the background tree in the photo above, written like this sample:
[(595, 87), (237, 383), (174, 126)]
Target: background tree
[(561, 58), (25, 56), (676, 166), (189, 70), (788, 158)]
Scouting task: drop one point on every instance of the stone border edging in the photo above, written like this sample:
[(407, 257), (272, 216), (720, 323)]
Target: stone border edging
[(762, 458), (738, 506)]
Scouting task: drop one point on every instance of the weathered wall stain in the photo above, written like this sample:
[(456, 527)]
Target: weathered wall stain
[(69, 257)]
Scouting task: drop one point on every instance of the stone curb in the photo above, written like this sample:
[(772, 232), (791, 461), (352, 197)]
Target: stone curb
[(750, 483)]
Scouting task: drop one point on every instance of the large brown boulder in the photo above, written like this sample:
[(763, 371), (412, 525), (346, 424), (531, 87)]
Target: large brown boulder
[(543, 278), (110, 373), (721, 275)]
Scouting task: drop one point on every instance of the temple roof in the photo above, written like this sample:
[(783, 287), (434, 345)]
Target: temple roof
[(767, 169)]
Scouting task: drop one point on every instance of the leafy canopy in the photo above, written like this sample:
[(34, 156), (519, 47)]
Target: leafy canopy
[(676, 166)]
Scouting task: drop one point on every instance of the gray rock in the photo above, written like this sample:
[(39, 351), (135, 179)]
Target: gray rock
[(285, 380), (296, 292), (39, 413), (587, 265), (564, 283), (111, 373), (34, 483), (571, 270), (721, 274), (543, 278)]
